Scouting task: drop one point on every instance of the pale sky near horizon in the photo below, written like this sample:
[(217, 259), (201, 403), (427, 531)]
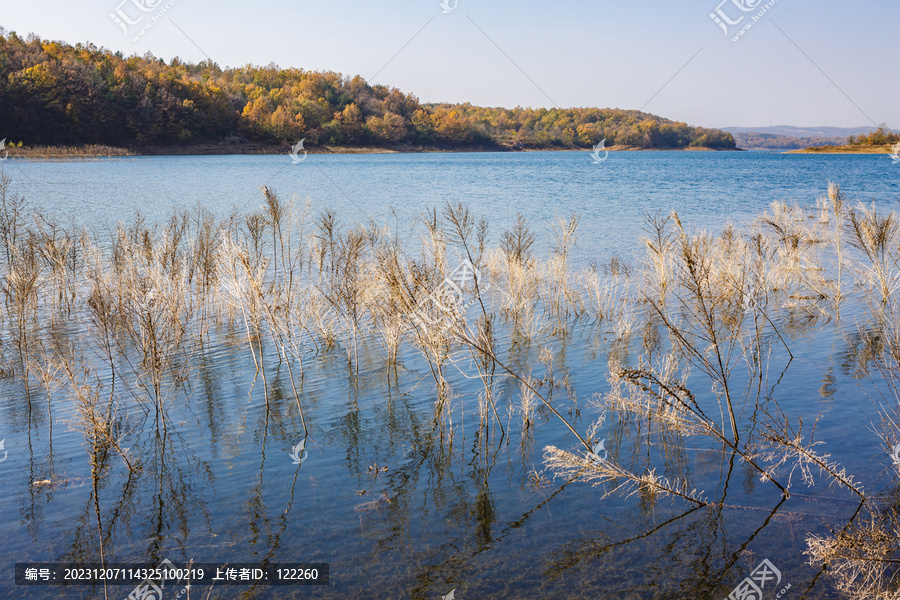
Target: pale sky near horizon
[(803, 63)]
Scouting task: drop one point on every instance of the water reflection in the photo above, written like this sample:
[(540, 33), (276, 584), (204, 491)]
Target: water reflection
[(447, 499)]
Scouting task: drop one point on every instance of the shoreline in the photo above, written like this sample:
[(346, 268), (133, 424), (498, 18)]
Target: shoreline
[(95, 152), (846, 149)]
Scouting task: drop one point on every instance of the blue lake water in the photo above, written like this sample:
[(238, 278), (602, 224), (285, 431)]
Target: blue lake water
[(456, 507), (707, 189)]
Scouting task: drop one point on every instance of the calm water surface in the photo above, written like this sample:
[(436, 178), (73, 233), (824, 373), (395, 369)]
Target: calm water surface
[(706, 188), (456, 507)]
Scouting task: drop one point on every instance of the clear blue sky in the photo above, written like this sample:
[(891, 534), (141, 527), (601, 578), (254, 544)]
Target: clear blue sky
[(830, 63)]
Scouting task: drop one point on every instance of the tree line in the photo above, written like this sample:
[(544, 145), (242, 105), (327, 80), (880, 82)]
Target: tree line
[(879, 137), (53, 93)]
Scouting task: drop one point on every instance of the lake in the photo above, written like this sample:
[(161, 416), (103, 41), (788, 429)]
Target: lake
[(706, 188), (400, 498)]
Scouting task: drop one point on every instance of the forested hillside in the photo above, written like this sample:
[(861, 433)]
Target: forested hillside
[(52, 93)]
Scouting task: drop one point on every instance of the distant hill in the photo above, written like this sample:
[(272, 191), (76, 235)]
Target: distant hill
[(813, 132), (786, 137), (771, 141)]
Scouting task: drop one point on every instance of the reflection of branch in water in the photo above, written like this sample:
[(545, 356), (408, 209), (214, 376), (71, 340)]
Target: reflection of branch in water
[(736, 555), (453, 565), (274, 539), (167, 492), (96, 469), (708, 580), (590, 550), (256, 506), (82, 547)]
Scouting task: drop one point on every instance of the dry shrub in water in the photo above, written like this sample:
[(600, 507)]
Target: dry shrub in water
[(155, 307), (862, 557), (712, 298), (875, 235), (97, 420), (599, 470)]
